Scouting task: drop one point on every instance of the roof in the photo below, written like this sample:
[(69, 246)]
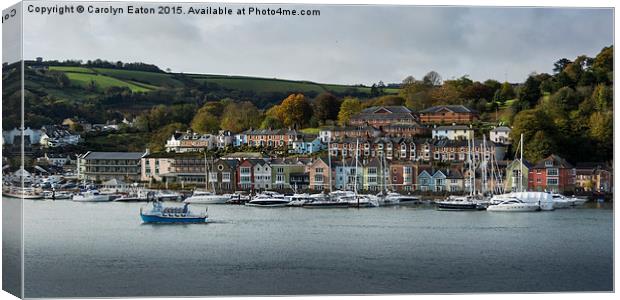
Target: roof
[(501, 128), (453, 127), (591, 165), (453, 108), (114, 155), (390, 109), (557, 162)]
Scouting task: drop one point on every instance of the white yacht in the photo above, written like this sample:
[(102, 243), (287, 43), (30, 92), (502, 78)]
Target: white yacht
[(458, 203), (268, 199), (559, 201), (514, 205), (167, 196), (91, 196), (204, 197), (57, 195), (544, 200), (22, 193)]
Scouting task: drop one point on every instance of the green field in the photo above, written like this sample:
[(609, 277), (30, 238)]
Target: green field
[(141, 81)]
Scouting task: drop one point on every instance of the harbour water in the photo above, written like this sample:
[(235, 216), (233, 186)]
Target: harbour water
[(102, 249)]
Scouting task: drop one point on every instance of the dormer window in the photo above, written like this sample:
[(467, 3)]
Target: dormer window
[(548, 163)]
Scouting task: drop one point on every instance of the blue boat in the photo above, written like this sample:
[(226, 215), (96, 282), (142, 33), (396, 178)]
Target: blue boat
[(160, 214)]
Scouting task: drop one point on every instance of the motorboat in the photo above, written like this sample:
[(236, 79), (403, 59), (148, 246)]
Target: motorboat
[(136, 196), (268, 199), (157, 213), (544, 200), (239, 197), (324, 201), (394, 198), (360, 200), (577, 201), (459, 203), (560, 201), (514, 205), (205, 197), (91, 196), (167, 196), (22, 193), (299, 199), (57, 195)]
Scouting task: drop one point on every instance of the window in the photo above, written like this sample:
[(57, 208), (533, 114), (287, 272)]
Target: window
[(548, 163), (372, 171), (279, 170), (212, 176), (552, 181), (318, 178), (245, 170), (407, 170), (318, 170), (226, 177), (552, 172)]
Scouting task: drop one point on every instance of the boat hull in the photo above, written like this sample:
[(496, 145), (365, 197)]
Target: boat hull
[(457, 207), (326, 205), (522, 208), (20, 196), (209, 200), (267, 205), (161, 219)]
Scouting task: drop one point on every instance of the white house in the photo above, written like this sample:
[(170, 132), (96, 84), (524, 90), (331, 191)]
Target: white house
[(454, 132), (190, 142), (224, 139), (500, 135), (262, 175), (306, 145)]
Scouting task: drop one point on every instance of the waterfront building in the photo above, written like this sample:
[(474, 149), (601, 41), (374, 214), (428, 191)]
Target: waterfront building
[(402, 176), (262, 175), (453, 132), (246, 176), (455, 182), (286, 173), (438, 182), (223, 175), (500, 135), (384, 115), (157, 168), (425, 181), (319, 174), (373, 180), (552, 174), (189, 169), (448, 114), (593, 177), (54, 159), (513, 172), (100, 166)]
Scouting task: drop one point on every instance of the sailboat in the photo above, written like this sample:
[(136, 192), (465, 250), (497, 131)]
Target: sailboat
[(544, 201), (207, 197), (467, 202)]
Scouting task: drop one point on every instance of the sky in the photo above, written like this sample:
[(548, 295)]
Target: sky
[(345, 44)]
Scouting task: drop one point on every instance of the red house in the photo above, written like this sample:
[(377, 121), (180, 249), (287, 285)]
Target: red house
[(552, 174)]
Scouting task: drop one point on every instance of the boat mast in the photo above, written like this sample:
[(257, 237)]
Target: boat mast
[(206, 172), (484, 165), (357, 142), (521, 165), (329, 159)]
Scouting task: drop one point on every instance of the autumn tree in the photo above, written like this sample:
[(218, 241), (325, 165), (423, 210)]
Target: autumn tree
[(239, 116), (205, 121), (349, 108)]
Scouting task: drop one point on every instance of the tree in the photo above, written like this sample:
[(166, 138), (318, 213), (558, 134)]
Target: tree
[(240, 116), (294, 111), (349, 108), (506, 91), (159, 138), (326, 107), (540, 146), (559, 65), (432, 78), (205, 122), (529, 94)]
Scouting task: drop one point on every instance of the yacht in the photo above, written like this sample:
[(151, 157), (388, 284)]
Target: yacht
[(559, 201), (268, 199), (57, 195), (137, 196), (544, 200), (514, 205), (393, 198), (577, 201), (299, 199), (205, 197), (167, 196), (22, 193), (360, 200), (459, 203), (91, 196), (324, 201)]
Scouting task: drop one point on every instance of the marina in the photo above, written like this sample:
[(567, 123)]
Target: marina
[(245, 250)]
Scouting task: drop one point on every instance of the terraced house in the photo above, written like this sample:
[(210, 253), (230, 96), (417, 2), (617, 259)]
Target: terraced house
[(271, 137)]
